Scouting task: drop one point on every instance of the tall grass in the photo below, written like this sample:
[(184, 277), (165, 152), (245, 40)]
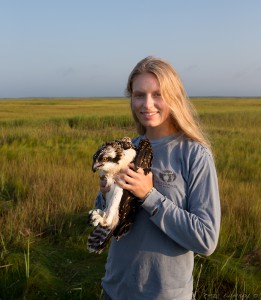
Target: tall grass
[(47, 188)]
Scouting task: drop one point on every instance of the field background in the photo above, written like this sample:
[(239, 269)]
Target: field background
[(47, 188)]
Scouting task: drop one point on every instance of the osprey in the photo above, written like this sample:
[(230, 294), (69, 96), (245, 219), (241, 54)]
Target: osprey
[(121, 205)]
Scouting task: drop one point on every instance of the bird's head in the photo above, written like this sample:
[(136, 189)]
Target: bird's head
[(113, 155), (106, 158)]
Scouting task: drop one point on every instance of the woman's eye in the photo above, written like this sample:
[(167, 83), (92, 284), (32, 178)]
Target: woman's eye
[(138, 96), (157, 94)]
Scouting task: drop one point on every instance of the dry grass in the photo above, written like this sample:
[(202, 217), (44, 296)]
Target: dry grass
[(46, 189)]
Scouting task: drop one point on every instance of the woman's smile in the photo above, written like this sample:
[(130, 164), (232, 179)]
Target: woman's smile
[(149, 106), (148, 114)]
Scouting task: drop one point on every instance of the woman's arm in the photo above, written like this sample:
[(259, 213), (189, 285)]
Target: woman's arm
[(197, 227), (100, 201)]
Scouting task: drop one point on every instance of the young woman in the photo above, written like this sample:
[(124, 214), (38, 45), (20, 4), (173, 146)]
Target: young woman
[(180, 206)]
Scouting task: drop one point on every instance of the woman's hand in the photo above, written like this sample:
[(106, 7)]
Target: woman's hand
[(136, 182)]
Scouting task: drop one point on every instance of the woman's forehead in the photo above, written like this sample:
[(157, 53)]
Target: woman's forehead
[(145, 81)]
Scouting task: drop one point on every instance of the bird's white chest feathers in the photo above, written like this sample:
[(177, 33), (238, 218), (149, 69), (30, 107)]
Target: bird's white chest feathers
[(113, 197)]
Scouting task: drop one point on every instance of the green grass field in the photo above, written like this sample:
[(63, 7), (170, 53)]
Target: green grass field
[(47, 188)]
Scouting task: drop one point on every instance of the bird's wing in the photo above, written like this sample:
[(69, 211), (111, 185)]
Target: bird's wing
[(128, 206), (144, 156)]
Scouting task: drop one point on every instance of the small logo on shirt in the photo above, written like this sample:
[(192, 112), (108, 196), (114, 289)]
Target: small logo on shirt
[(167, 176)]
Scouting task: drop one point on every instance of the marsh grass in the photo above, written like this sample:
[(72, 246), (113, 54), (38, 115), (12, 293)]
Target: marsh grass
[(47, 188)]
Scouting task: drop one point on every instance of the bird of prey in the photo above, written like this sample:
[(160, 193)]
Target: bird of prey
[(121, 205)]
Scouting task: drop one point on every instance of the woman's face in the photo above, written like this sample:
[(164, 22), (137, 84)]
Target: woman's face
[(149, 106)]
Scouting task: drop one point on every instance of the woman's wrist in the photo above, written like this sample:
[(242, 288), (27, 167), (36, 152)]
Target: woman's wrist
[(146, 196)]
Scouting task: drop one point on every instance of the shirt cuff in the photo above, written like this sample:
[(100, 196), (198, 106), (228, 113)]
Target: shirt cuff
[(153, 202)]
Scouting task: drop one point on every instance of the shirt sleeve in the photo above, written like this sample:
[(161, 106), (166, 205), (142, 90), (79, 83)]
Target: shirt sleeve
[(100, 202), (197, 227)]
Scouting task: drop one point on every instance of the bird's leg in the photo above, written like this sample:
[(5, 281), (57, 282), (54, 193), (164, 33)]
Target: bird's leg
[(110, 217), (98, 216), (113, 199)]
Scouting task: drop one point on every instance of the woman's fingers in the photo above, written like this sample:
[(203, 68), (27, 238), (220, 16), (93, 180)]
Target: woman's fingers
[(135, 182)]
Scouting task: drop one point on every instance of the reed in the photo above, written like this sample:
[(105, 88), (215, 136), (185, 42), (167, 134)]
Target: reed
[(47, 188)]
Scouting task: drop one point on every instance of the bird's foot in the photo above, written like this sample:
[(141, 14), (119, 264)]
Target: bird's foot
[(97, 217)]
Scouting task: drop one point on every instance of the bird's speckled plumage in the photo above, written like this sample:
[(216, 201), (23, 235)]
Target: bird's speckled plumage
[(121, 206)]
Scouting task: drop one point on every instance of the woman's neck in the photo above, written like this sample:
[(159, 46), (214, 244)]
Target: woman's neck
[(158, 133)]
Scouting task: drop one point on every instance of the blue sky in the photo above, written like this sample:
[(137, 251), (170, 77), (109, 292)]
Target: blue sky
[(81, 48)]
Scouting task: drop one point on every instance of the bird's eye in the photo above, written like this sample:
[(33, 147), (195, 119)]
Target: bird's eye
[(104, 159)]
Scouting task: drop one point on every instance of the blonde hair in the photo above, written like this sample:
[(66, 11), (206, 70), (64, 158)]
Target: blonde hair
[(183, 114)]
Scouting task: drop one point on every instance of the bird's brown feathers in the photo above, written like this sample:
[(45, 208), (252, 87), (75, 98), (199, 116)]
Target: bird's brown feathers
[(128, 206)]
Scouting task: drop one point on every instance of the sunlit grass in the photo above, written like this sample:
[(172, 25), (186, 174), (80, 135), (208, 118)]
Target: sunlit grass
[(38, 109), (47, 188)]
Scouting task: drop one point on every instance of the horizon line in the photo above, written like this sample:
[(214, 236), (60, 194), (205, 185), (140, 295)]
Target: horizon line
[(111, 97)]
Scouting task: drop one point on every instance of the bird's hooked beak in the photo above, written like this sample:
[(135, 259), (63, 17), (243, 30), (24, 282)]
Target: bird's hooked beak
[(96, 166)]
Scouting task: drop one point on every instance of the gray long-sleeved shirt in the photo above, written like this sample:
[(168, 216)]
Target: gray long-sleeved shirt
[(154, 260)]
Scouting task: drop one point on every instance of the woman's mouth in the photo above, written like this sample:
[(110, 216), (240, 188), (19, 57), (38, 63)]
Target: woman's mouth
[(149, 114)]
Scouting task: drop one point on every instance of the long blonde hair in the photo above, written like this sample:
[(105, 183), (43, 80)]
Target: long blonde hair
[(182, 111)]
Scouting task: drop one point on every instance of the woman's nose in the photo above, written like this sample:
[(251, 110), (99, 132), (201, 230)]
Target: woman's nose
[(148, 101)]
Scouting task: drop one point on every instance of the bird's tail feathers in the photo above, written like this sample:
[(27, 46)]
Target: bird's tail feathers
[(98, 239)]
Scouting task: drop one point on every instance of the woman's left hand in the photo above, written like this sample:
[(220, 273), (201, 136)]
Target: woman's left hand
[(136, 182)]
